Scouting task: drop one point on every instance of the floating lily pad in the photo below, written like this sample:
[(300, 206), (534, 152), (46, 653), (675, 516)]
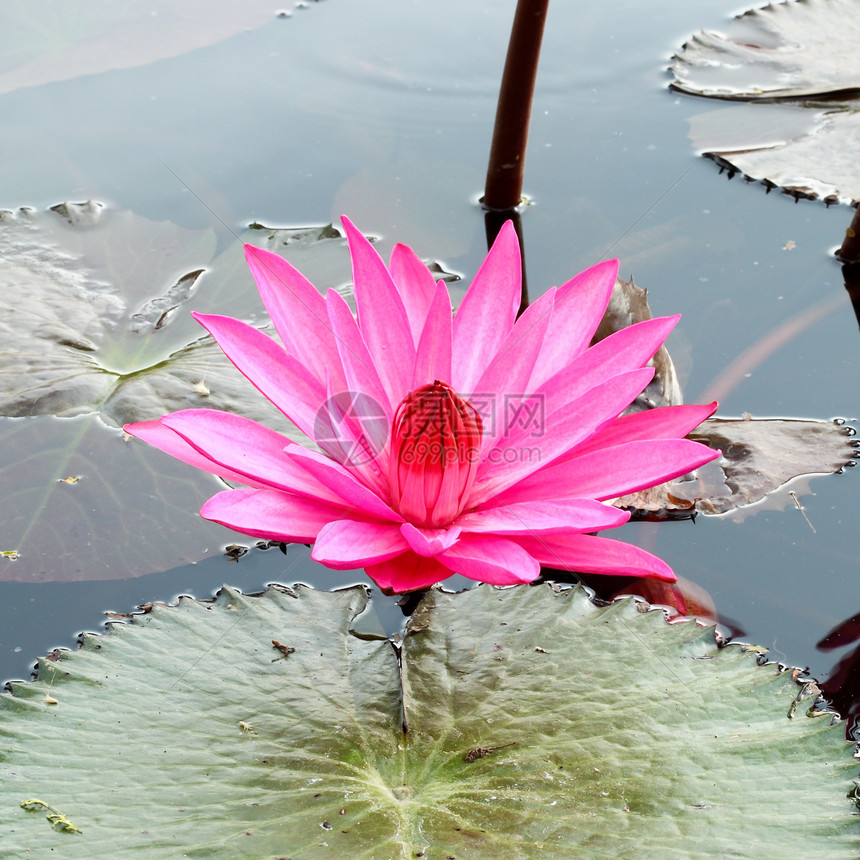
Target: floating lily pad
[(519, 723), (82, 504), (95, 313), (41, 42), (96, 329), (818, 163), (794, 49)]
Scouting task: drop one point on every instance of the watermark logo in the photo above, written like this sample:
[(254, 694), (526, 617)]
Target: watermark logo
[(351, 427), (525, 412)]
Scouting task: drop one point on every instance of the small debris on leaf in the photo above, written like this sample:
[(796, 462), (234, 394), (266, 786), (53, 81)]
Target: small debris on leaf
[(235, 551), (285, 650), (480, 752), (57, 819)]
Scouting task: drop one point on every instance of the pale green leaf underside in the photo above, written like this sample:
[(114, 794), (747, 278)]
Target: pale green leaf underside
[(187, 734)]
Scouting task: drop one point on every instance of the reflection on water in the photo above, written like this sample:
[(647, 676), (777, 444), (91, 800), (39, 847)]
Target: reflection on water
[(384, 111)]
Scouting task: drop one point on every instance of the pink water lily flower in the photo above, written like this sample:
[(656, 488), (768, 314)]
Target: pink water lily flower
[(481, 444)]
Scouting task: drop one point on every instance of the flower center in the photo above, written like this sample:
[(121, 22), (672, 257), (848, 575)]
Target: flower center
[(435, 442)]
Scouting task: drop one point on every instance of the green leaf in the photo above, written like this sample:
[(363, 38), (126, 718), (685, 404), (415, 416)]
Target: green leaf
[(95, 312), (537, 725), (95, 322), (84, 504)]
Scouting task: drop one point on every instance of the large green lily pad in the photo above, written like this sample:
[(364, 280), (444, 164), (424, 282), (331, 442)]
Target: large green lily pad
[(517, 723)]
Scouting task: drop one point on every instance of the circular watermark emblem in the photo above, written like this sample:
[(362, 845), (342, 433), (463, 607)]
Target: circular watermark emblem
[(351, 427)]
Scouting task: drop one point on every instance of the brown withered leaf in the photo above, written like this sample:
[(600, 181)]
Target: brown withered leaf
[(629, 305), (759, 457)]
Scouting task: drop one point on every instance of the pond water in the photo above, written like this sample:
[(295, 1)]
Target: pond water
[(384, 111)]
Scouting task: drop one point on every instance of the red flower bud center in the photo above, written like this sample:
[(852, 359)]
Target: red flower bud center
[(435, 444)]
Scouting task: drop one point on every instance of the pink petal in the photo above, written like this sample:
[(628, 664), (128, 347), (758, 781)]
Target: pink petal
[(521, 454), (247, 450), (353, 430), (162, 437), (492, 559), (298, 311), (551, 515), (407, 572), (277, 375), (270, 514), (666, 422), (429, 542), (382, 317), (433, 356), (589, 554), (628, 349), (488, 310), (579, 307), (416, 286), (354, 495), (360, 371), (507, 377), (346, 544), (611, 472)]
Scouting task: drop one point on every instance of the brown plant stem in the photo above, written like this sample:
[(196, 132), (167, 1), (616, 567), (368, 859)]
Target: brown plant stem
[(850, 250), (849, 256), (504, 186)]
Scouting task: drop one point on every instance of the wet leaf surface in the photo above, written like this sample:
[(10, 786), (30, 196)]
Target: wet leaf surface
[(96, 330), (820, 162), (537, 725)]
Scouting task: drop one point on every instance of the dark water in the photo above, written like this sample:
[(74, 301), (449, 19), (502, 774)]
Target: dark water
[(384, 111)]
